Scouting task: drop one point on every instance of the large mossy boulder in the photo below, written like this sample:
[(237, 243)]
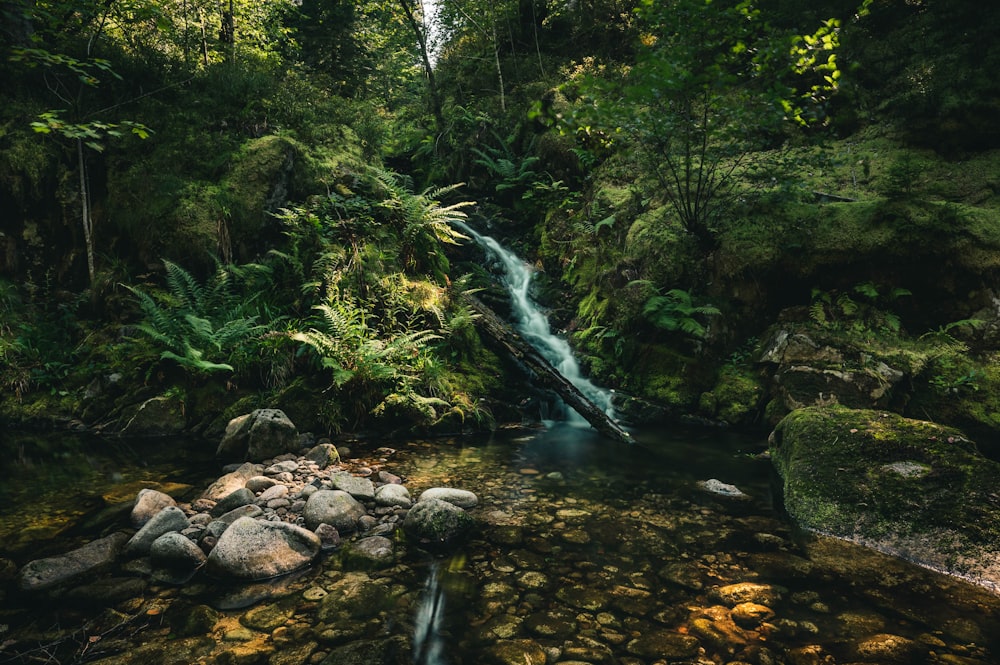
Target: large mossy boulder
[(909, 488)]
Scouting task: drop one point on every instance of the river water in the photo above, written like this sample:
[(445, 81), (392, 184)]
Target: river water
[(586, 552)]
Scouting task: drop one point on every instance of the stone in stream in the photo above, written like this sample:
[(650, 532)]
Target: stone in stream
[(260, 483), (147, 503), (85, 561), (324, 455), (460, 498), (258, 435), (389, 651), (393, 495), (176, 551), (169, 519), (435, 522), (664, 644), (255, 549), (371, 552), (732, 595), (232, 481), (334, 507), (360, 488), (235, 499)]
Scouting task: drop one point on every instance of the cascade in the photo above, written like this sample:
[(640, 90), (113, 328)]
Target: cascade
[(534, 326)]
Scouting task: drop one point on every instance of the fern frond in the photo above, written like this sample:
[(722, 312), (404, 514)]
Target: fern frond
[(184, 286)]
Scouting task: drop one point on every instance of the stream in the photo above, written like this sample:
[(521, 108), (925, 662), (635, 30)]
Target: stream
[(586, 552)]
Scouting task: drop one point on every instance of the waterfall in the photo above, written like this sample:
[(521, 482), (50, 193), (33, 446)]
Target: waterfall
[(533, 325), (428, 646)]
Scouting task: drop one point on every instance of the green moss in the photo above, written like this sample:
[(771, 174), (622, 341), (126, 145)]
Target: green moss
[(837, 470), (736, 397), (662, 376)]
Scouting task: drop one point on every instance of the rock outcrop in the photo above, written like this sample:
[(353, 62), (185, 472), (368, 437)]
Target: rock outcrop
[(909, 488), (92, 558)]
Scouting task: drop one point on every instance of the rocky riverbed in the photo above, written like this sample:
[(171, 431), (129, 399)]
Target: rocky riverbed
[(581, 553)]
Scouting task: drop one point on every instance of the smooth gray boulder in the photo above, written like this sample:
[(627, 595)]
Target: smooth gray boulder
[(334, 507), (255, 549), (258, 435), (235, 499), (169, 519), (249, 510), (260, 483), (460, 498), (174, 550), (393, 495), (360, 488), (148, 502), (88, 560), (435, 522), (371, 552)]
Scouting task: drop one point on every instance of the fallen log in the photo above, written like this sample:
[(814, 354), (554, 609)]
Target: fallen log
[(499, 331)]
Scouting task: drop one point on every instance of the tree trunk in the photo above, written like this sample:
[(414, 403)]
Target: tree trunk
[(88, 228), (543, 370), (425, 56)]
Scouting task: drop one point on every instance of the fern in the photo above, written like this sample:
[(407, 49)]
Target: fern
[(199, 325), (675, 311)]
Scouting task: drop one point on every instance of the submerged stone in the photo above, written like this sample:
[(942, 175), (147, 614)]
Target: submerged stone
[(92, 558), (664, 644), (458, 497)]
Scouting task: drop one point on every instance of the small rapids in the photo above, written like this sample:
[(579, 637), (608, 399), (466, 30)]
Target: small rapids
[(534, 326)]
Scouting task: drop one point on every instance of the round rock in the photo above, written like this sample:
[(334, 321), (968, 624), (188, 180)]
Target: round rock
[(174, 550), (147, 503), (393, 495), (334, 507), (457, 497), (168, 519), (437, 522), (256, 549)]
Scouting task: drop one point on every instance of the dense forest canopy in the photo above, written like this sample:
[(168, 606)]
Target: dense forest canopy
[(238, 203)]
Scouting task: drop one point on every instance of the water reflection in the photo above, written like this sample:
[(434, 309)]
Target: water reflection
[(428, 644)]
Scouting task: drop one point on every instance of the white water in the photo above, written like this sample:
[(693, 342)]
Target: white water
[(534, 327), (428, 647)]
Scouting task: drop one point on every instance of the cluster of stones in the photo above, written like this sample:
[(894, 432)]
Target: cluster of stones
[(263, 520)]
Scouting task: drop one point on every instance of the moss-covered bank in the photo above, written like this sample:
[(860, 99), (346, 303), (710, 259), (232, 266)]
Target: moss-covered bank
[(906, 487)]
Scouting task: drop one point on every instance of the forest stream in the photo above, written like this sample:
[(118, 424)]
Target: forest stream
[(585, 552)]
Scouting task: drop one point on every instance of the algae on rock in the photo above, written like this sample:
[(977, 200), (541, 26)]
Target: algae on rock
[(910, 488)]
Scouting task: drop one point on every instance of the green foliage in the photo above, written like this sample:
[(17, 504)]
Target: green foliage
[(676, 311), (901, 176), (38, 346), (866, 311), (204, 328), (365, 364), (423, 222)]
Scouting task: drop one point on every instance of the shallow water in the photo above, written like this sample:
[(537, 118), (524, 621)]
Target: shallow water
[(587, 551)]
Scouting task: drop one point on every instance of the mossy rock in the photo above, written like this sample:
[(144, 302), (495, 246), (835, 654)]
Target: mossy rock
[(910, 488), (736, 398)]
